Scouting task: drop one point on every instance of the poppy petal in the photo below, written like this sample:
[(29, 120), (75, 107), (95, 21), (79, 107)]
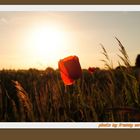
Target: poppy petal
[(70, 69), (73, 67), (65, 77)]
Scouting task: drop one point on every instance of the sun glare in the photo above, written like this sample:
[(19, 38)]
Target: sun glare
[(46, 43)]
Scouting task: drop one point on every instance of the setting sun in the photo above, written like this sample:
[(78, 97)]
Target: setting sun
[(46, 42)]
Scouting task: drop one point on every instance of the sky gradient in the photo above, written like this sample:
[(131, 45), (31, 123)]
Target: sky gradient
[(24, 43)]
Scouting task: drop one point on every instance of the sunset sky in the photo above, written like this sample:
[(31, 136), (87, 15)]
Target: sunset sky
[(40, 39)]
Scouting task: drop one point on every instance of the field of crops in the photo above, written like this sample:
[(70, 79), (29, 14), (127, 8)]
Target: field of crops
[(106, 95)]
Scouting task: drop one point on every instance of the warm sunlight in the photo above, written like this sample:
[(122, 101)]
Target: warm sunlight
[(46, 43), (40, 39)]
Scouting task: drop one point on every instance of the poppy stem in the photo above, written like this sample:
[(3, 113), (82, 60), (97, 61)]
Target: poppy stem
[(65, 89)]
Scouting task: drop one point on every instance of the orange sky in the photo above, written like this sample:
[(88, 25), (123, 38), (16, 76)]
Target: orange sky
[(40, 39)]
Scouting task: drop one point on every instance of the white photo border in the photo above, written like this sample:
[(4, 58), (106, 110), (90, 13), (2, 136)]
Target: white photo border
[(69, 125)]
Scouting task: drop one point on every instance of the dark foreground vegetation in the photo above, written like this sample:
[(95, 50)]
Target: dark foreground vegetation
[(41, 96)]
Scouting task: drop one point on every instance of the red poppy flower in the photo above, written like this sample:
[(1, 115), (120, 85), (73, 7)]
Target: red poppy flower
[(91, 69), (70, 69)]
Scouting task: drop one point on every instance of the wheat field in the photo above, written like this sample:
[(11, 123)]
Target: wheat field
[(106, 95)]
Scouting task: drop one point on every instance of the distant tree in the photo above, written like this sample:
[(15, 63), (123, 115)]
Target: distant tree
[(49, 71), (137, 63), (137, 69)]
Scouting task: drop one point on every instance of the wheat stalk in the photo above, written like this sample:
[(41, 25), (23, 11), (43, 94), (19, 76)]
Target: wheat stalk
[(25, 103)]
